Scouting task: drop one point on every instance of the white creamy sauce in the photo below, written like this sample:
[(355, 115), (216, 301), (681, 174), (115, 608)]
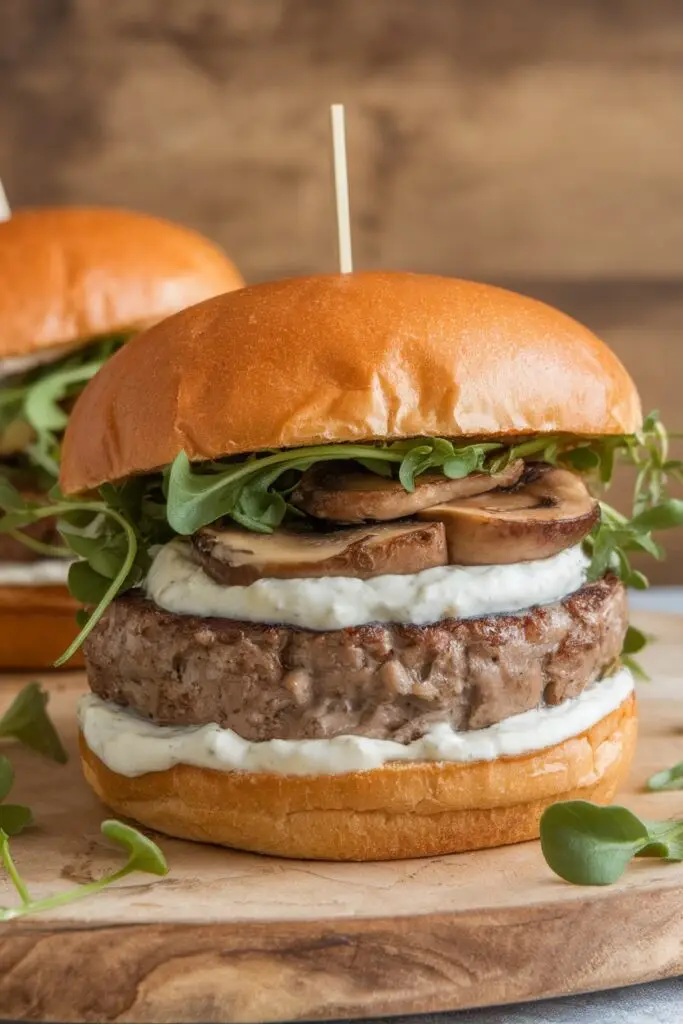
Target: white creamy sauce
[(177, 584), (46, 572), (132, 746)]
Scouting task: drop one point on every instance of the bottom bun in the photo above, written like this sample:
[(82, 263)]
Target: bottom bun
[(389, 813), (37, 624)]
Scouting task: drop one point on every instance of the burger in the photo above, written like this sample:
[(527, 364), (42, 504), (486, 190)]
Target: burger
[(75, 285), (351, 594)]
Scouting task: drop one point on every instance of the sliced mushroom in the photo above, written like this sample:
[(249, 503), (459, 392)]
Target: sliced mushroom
[(344, 494), (547, 511), (238, 557)]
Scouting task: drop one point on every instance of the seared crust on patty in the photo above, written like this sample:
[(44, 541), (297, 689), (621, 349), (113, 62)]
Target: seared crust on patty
[(385, 681)]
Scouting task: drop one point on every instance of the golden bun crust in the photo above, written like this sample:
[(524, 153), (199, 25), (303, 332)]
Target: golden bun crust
[(37, 624), (338, 358), (72, 273), (390, 813)]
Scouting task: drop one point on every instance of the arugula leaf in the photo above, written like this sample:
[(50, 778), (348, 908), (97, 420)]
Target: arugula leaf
[(115, 537), (634, 641), (590, 845), (38, 395), (27, 720), (6, 777), (13, 818), (243, 490), (668, 778), (143, 855), (71, 513)]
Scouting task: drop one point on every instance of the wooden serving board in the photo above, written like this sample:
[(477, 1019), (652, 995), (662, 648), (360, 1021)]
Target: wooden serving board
[(234, 937)]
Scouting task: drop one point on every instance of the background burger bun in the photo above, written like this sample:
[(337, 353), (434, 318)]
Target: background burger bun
[(68, 274), (390, 813), (37, 624), (338, 358)]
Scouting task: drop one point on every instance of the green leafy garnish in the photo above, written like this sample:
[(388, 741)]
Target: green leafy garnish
[(617, 536), (104, 537), (590, 845), (668, 778), (37, 397), (13, 817), (143, 855), (115, 533), (27, 721), (634, 641), (246, 490)]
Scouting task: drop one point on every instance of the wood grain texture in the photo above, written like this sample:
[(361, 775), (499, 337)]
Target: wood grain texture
[(532, 144), (232, 937), (484, 138)]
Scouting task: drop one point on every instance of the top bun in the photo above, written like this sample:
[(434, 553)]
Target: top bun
[(332, 358), (69, 274)]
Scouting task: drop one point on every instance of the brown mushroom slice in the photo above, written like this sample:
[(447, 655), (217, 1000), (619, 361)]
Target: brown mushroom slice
[(237, 557), (549, 510), (343, 494)]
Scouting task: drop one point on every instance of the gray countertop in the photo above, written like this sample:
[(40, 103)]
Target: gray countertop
[(658, 1003)]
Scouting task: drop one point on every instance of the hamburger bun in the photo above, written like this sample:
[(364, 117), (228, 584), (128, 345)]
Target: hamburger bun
[(37, 624), (390, 813), (69, 274), (338, 358)]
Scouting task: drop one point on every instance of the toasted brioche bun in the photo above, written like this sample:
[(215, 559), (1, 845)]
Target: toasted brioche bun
[(37, 624), (389, 813), (338, 358), (70, 274)]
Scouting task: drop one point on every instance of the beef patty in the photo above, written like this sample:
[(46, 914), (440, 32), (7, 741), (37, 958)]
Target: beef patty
[(388, 681)]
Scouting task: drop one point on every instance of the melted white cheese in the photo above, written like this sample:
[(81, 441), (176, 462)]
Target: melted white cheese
[(132, 746), (46, 572), (177, 584)]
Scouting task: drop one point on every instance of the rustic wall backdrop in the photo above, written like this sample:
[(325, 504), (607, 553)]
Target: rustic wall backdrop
[(527, 142)]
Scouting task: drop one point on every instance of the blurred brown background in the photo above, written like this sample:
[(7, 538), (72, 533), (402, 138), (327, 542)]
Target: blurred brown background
[(531, 143)]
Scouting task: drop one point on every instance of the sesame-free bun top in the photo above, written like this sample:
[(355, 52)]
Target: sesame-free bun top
[(334, 358), (69, 274)]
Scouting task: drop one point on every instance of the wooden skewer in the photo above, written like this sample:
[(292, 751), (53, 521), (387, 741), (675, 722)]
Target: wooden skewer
[(5, 211), (341, 182)]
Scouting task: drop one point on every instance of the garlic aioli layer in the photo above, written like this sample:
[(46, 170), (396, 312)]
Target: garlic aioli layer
[(46, 572), (177, 584), (132, 746)]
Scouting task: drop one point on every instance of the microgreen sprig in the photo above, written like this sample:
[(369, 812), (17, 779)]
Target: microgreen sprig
[(668, 778), (590, 845), (143, 855), (14, 818), (37, 397), (115, 537), (634, 642), (83, 524), (27, 720)]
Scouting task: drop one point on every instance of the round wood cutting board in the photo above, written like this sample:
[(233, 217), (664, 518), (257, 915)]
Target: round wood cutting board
[(235, 937)]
